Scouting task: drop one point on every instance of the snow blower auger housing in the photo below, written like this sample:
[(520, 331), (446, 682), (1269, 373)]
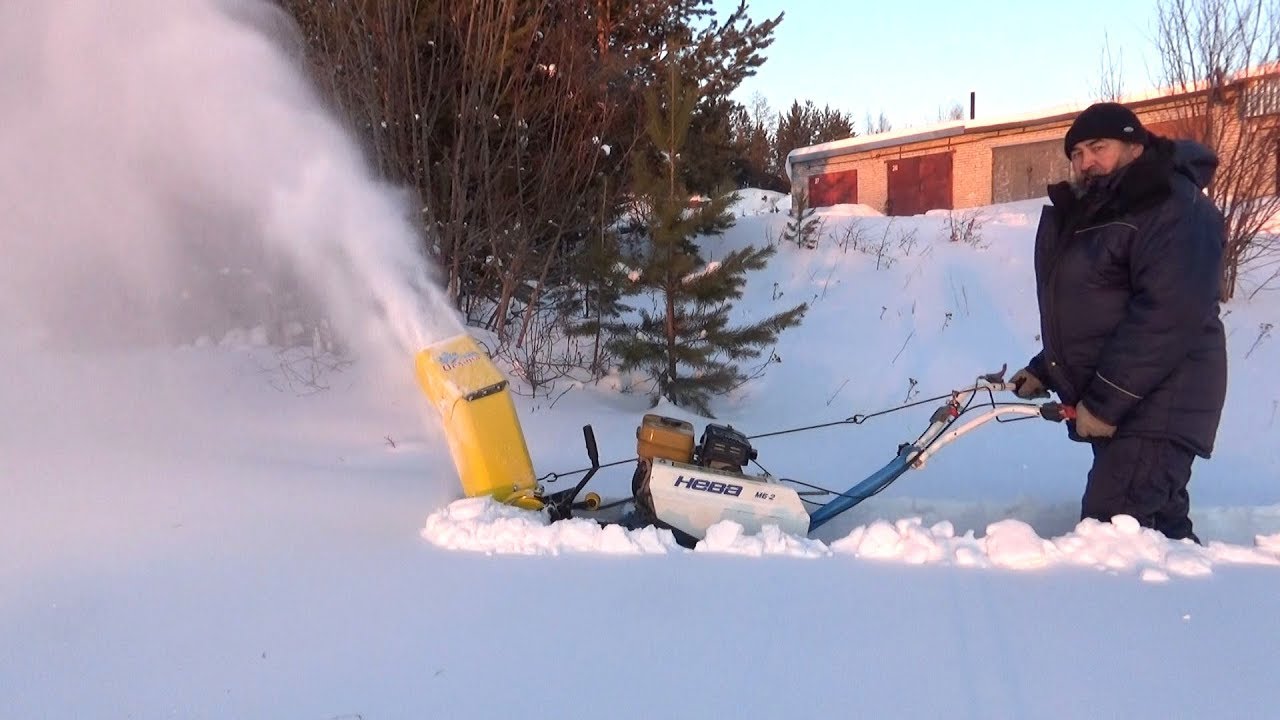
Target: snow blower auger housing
[(479, 419)]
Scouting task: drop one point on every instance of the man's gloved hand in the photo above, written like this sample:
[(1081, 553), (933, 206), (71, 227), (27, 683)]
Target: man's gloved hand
[(1089, 426), (1027, 386)]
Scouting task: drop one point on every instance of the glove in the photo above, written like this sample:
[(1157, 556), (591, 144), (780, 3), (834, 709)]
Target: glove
[(1089, 426), (1027, 386)]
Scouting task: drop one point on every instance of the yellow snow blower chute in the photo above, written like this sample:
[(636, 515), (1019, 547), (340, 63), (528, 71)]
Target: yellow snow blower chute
[(479, 421)]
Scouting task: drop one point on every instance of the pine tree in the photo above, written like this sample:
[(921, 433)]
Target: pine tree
[(686, 343), (802, 227), (832, 124), (752, 135), (805, 125), (720, 49), (796, 129), (602, 282)]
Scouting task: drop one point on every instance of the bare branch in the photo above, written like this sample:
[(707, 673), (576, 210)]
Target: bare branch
[(1110, 84), (1224, 56)]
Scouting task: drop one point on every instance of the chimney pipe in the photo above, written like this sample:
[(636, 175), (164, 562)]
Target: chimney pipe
[(973, 102)]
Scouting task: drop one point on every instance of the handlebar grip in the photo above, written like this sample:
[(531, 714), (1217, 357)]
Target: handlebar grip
[(1057, 412)]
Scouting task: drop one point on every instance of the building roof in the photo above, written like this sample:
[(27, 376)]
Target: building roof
[(861, 143)]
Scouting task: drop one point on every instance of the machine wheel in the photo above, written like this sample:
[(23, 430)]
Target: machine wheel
[(640, 491)]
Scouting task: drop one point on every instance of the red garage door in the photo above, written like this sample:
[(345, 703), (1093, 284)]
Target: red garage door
[(834, 188), (919, 184)]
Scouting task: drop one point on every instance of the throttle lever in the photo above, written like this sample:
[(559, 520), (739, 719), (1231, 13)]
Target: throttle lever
[(996, 378)]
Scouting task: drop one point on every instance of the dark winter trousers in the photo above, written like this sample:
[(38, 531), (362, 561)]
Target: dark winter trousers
[(1144, 478)]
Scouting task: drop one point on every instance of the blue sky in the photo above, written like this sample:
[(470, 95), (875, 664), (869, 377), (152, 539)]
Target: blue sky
[(908, 58)]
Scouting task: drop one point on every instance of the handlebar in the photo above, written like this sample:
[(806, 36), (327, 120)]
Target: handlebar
[(941, 432), (1051, 411)]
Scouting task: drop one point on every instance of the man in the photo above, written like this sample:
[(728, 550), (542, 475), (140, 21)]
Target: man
[(1128, 262)]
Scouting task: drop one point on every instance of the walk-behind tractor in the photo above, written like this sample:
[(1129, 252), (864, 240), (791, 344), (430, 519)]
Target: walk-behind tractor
[(678, 484)]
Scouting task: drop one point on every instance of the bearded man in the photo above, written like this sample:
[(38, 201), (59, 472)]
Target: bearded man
[(1128, 262)]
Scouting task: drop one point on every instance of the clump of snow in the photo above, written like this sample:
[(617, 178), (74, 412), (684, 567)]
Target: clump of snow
[(1013, 544), (850, 210), (753, 201), (484, 525), (708, 269), (906, 541), (730, 538)]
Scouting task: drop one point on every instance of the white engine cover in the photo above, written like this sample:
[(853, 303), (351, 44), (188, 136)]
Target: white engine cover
[(693, 498)]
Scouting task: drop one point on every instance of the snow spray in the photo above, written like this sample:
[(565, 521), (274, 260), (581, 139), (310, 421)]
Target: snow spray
[(161, 162)]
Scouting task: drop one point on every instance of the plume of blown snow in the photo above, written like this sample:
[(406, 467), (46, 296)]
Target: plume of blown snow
[(168, 171)]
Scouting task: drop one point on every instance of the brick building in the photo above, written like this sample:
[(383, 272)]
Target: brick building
[(970, 163)]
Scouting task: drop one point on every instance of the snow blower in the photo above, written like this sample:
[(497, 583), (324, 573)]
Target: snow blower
[(678, 484)]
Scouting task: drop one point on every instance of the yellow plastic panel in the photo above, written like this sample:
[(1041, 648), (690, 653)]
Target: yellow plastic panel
[(479, 419)]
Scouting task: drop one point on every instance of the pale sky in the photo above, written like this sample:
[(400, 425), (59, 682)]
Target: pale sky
[(908, 58)]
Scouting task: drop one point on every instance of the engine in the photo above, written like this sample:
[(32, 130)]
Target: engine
[(724, 448), (688, 488)]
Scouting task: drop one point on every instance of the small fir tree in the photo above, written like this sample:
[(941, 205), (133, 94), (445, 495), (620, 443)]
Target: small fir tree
[(802, 227), (601, 283), (686, 343)]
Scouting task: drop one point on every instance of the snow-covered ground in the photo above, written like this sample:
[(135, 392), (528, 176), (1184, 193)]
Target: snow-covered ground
[(184, 534), (219, 528)]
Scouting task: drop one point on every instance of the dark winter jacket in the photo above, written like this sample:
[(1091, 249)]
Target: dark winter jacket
[(1128, 282)]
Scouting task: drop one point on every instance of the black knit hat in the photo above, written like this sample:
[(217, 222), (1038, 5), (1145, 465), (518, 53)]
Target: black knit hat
[(1105, 120)]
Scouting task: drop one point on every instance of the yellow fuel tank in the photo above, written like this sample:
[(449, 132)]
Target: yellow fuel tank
[(664, 437), (479, 419)]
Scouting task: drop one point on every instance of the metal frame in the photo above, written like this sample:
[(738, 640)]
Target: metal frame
[(916, 455)]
